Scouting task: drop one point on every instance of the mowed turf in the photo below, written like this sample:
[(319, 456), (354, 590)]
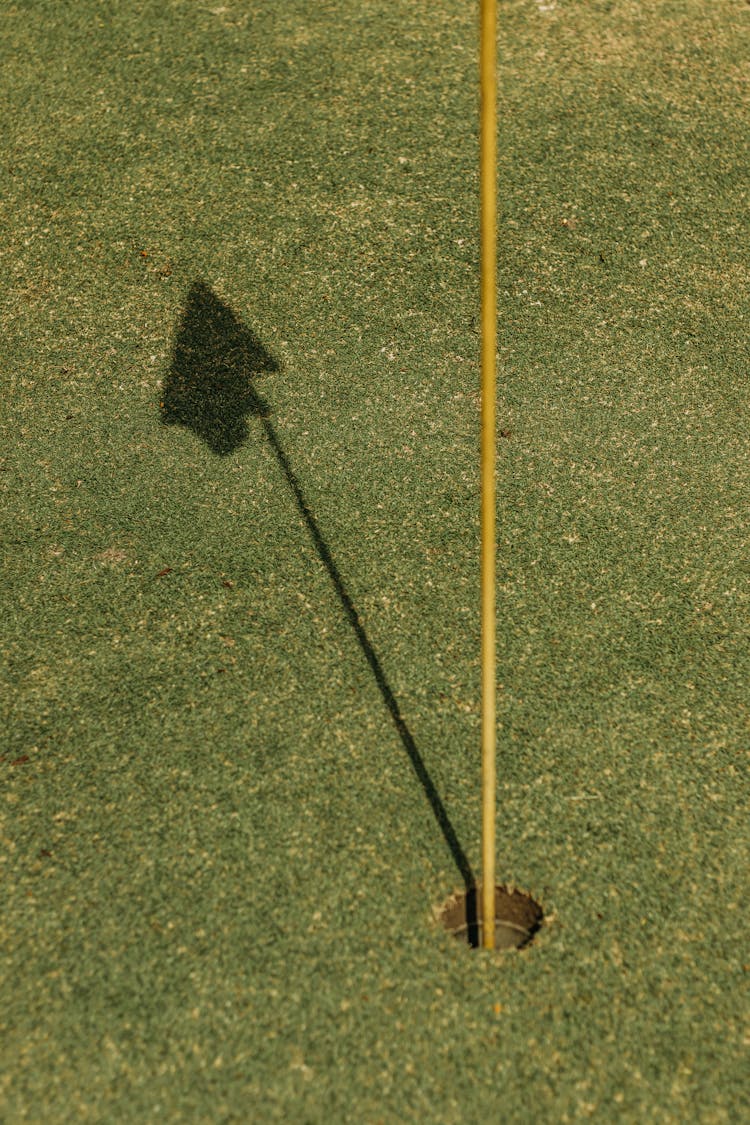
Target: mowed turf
[(239, 525)]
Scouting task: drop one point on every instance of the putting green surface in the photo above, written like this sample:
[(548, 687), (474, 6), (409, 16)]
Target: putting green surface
[(239, 626)]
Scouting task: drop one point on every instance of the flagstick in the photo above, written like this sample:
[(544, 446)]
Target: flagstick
[(488, 225)]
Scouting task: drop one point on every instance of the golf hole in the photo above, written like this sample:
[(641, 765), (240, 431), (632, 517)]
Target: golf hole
[(517, 918)]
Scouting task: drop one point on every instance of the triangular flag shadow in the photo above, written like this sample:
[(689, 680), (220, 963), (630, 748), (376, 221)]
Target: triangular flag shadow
[(210, 385)]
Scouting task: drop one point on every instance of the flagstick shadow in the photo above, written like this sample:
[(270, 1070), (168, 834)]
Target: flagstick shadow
[(376, 667), (210, 390)]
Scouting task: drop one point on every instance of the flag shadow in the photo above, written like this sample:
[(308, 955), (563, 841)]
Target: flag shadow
[(210, 389), (210, 386)]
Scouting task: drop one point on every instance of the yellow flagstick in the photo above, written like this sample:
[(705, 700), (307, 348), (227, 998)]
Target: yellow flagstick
[(488, 235)]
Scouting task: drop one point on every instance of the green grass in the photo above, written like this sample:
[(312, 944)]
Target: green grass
[(239, 751)]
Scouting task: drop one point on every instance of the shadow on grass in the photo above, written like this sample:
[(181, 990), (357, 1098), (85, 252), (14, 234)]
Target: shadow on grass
[(209, 389)]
